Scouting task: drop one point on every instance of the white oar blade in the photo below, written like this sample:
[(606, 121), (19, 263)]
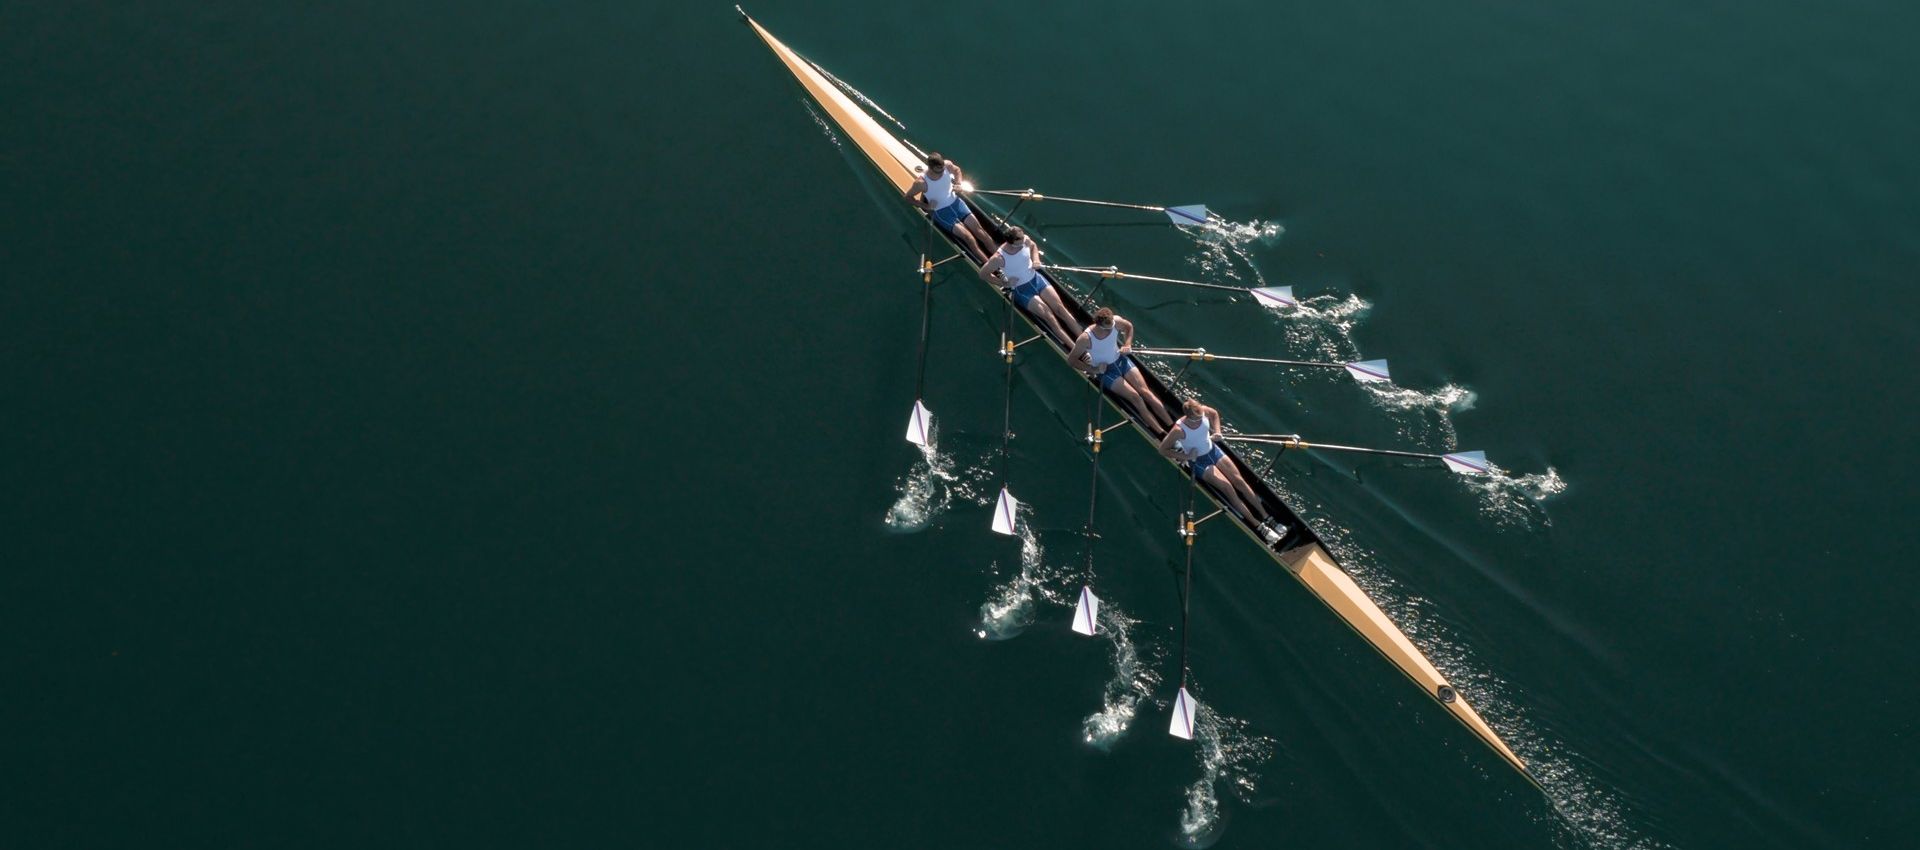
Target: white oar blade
[(1191, 215), (1183, 708), (1004, 512), (1369, 371), (1087, 613), (1467, 463), (1274, 296), (920, 425)]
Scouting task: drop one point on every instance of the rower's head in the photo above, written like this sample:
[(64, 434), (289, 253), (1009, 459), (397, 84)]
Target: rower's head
[(1103, 317), (935, 164), (1016, 240), (1192, 408)]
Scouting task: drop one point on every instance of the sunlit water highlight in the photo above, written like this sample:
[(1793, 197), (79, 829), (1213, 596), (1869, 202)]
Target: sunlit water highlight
[(1009, 607), (1229, 755), (1134, 680)]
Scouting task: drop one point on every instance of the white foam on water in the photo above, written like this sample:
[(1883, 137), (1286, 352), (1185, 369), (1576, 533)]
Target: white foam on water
[(1427, 414), (1323, 326), (1232, 235), (1515, 501), (927, 489), (1229, 755), (1133, 681), (1009, 607)]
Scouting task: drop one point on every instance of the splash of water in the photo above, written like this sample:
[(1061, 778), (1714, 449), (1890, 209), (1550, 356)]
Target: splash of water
[(1226, 247), (1009, 608), (1229, 755), (1515, 501), (925, 491), (1133, 682)]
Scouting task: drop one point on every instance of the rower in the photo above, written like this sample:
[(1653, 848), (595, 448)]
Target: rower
[(1013, 267), (1104, 351), (1190, 440), (937, 188)]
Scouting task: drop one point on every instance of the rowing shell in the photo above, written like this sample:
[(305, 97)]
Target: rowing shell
[(1301, 552)]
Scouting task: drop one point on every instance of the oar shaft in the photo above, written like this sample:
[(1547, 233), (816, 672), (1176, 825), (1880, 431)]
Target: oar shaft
[(1293, 442), (1031, 195), (1203, 354), (1116, 274)]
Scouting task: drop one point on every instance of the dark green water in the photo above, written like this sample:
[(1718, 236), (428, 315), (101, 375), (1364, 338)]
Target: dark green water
[(474, 424)]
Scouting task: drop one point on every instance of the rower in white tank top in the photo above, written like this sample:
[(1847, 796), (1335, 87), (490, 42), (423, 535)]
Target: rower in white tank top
[(1102, 353), (1015, 267), (1195, 439), (937, 191), (1191, 442)]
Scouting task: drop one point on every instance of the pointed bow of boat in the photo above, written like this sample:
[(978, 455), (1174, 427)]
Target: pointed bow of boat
[(897, 163)]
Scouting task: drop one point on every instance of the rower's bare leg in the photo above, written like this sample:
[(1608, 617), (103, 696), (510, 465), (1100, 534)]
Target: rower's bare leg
[(1232, 472), (967, 242), (1161, 418), (1218, 480), (1060, 309), (984, 242), (1132, 397), (1038, 307)]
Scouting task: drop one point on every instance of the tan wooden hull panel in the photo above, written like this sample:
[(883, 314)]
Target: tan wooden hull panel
[(1315, 568), (896, 162)]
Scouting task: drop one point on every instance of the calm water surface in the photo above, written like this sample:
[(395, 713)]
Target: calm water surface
[(478, 425)]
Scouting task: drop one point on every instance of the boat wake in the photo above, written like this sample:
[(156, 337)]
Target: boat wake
[(1228, 756), (1009, 608), (1133, 682), (822, 122), (1586, 813)]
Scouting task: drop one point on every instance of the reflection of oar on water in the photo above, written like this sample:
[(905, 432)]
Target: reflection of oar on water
[(1189, 215), (1364, 371), (1463, 463)]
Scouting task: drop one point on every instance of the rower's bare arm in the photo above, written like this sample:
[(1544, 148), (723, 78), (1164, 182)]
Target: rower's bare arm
[(1079, 350), (917, 192), (991, 267), (1126, 334), (1166, 443), (1213, 418)]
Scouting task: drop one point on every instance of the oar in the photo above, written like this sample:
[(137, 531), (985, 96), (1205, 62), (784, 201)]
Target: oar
[(1189, 215), (1007, 508), (1114, 273), (1364, 371), (1464, 463), (920, 421), (1086, 612), (1270, 296), (1181, 725)]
